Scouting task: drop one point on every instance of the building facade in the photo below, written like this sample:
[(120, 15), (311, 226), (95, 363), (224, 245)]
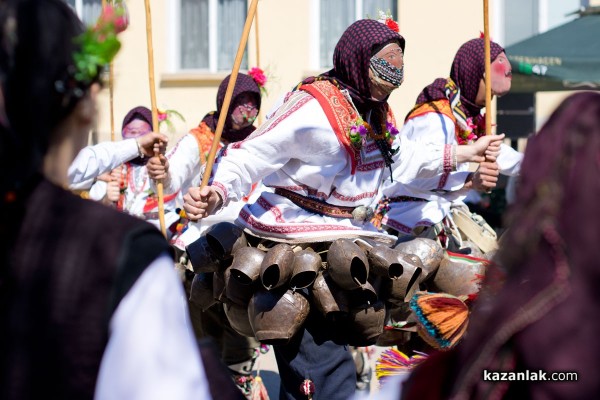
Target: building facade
[(195, 42)]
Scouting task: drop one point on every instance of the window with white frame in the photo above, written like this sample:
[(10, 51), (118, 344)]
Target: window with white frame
[(336, 15), (87, 10), (207, 34)]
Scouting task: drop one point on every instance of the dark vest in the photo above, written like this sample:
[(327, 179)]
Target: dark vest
[(72, 261)]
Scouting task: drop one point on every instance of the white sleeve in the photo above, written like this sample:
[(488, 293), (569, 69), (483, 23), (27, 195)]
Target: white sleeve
[(82, 185), (268, 149), (151, 352), (425, 157), (427, 166), (98, 159), (98, 190), (184, 164), (509, 160)]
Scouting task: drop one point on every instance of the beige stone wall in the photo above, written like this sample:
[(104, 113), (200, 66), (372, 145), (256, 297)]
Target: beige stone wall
[(285, 28)]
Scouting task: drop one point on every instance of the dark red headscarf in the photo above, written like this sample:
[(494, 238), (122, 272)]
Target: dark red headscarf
[(243, 84), (544, 317), (468, 68), (351, 57), (142, 113)]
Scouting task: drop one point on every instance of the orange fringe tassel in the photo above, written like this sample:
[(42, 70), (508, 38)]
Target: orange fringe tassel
[(443, 318)]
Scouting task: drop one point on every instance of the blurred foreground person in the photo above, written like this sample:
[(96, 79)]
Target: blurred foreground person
[(90, 304)]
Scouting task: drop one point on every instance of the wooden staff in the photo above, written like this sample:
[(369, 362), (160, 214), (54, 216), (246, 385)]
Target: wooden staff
[(256, 38), (111, 92), (159, 185), (488, 69), (228, 94), (112, 102)]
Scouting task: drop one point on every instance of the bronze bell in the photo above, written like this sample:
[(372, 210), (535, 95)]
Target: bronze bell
[(366, 324), (399, 288), (490, 255), (277, 266), (219, 291), (236, 291), (306, 266), (277, 315), (385, 262), (201, 256), (366, 294), (472, 248), (392, 337), (347, 264), (402, 312), (328, 297), (246, 264), (459, 277), (429, 251), (412, 290), (398, 336), (201, 293), (224, 238), (238, 319)]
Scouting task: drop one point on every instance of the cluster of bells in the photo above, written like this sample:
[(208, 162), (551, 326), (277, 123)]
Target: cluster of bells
[(268, 293)]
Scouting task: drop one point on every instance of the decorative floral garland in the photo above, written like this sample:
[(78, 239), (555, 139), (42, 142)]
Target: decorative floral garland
[(474, 130), (360, 129), (99, 43)]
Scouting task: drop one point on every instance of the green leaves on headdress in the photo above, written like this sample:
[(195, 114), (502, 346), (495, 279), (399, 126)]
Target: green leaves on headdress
[(99, 44)]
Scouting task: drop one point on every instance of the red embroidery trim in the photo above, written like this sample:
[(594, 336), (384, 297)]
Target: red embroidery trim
[(339, 112)]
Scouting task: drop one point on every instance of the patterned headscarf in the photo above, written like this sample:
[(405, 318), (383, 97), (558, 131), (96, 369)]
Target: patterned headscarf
[(142, 113), (243, 84), (352, 56), (468, 68)]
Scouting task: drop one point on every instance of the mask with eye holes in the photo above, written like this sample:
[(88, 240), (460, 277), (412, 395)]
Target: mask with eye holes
[(387, 72)]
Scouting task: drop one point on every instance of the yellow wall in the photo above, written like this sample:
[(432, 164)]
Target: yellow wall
[(433, 30), (283, 31)]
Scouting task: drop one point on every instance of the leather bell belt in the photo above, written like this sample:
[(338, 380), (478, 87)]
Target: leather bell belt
[(403, 199), (360, 213)]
